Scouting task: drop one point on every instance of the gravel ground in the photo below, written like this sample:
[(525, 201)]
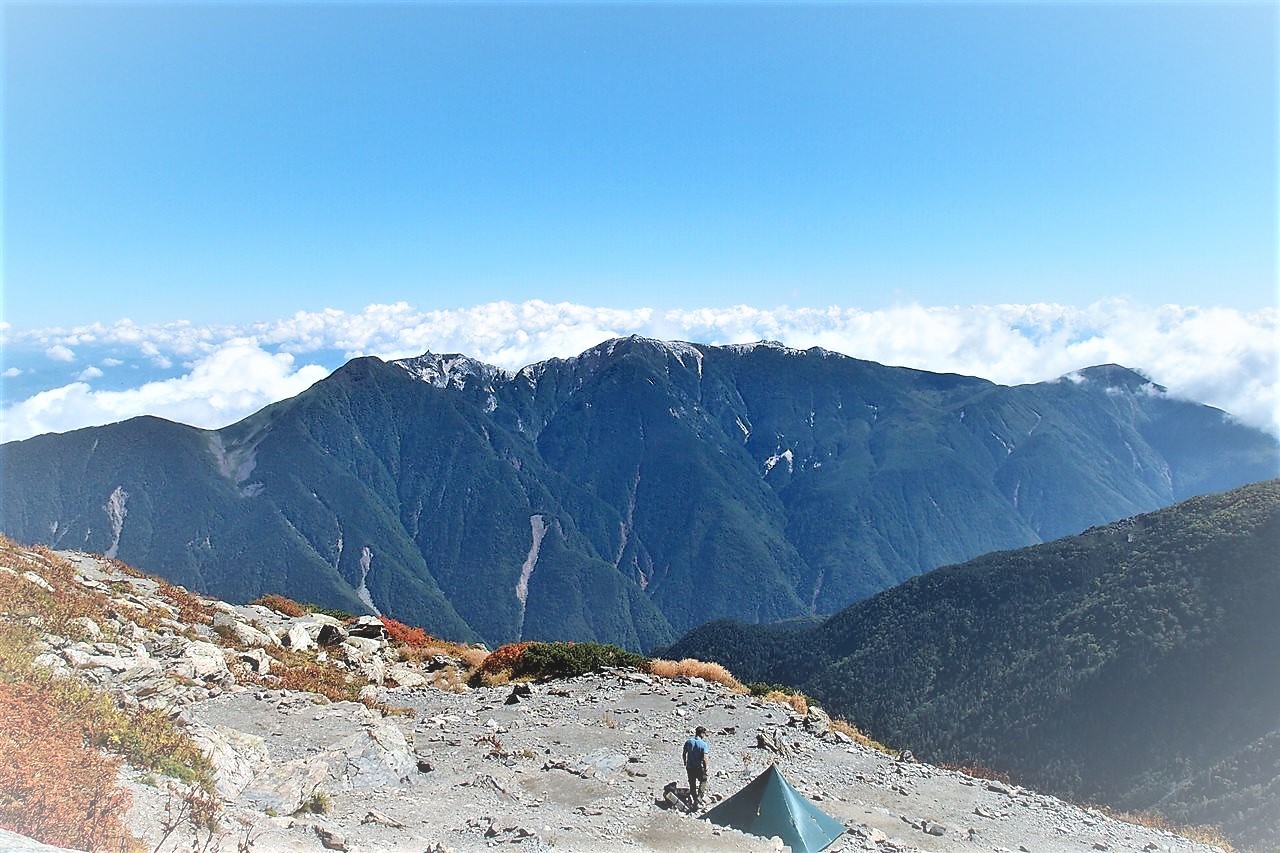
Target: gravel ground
[(581, 764)]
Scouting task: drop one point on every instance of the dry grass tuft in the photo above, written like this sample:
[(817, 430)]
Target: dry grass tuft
[(857, 736), (282, 605), (980, 771), (1203, 833), (474, 658), (693, 668), (797, 701)]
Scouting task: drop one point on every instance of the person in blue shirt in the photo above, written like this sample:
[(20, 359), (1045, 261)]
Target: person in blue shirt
[(695, 764)]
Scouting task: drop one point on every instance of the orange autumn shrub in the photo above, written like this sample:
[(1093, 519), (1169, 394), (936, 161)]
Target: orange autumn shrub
[(503, 659), (405, 635), (53, 787)]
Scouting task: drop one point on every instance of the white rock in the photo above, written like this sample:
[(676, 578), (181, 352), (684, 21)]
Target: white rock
[(299, 639), (38, 581)]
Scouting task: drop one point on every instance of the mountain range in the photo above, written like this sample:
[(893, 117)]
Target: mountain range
[(1134, 664), (625, 495)]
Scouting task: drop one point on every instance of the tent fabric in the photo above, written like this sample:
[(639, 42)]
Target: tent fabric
[(769, 806)]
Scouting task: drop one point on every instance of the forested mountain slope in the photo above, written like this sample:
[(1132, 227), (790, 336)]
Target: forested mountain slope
[(1137, 664), (627, 494)]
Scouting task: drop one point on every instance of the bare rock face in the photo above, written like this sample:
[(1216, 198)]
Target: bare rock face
[(237, 757), (378, 756), (281, 789), (12, 842)]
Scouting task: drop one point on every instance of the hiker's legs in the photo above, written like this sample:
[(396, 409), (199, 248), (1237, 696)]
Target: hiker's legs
[(693, 785)]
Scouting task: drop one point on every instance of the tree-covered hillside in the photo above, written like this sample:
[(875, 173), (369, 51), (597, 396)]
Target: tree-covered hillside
[(1136, 664), (626, 495)]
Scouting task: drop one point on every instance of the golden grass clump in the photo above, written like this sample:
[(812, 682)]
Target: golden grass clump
[(1203, 833), (693, 668), (474, 658), (798, 701), (856, 735), (282, 605)]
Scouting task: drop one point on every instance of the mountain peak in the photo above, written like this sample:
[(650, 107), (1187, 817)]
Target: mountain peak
[(450, 370), (1115, 378)]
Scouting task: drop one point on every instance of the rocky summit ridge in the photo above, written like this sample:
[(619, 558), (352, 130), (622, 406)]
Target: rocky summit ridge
[(418, 761)]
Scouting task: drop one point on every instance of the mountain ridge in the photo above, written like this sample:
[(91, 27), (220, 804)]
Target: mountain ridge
[(664, 484)]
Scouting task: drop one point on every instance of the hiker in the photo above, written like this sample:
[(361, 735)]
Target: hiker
[(695, 764)]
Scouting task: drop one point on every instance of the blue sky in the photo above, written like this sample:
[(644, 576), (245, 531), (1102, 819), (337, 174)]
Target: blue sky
[(207, 171)]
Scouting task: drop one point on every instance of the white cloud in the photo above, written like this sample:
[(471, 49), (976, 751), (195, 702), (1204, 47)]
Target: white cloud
[(111, 362), (88, 373), (235, 380), (58, 352), (11, 372), (1224, 357)]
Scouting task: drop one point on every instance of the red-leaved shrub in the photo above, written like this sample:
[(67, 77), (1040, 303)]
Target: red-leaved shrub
[(402, 634)]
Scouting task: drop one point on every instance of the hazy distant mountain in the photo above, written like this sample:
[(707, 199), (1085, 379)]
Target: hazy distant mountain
[(1135, 664), (626, 495)]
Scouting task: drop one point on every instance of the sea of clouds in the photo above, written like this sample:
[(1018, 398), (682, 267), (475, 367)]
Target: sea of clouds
[(211, 376)]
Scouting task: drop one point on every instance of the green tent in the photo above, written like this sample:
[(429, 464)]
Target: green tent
[(769, 806)]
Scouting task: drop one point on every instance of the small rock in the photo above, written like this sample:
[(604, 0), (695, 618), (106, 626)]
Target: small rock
[(331, 635), (257, 659), (38, 581), (298, 639), (368, 627), (330, 839), (87, 627), (518, 692), (375, 816), (405, 676)]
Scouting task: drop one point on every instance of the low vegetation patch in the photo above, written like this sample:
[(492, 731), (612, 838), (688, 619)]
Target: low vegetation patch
[(566, 660), (1203, 833), (304, 672), (53, 786), (62, 742), (692, 668), (856, 735), (282, 605), (980, 771), (782, 694), (530, 661)]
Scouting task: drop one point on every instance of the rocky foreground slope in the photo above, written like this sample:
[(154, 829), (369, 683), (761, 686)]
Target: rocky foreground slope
[(424, 763)]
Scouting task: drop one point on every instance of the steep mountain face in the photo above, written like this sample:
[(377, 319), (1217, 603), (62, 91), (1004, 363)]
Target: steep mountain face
[(1135, 664), (625, 495)]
